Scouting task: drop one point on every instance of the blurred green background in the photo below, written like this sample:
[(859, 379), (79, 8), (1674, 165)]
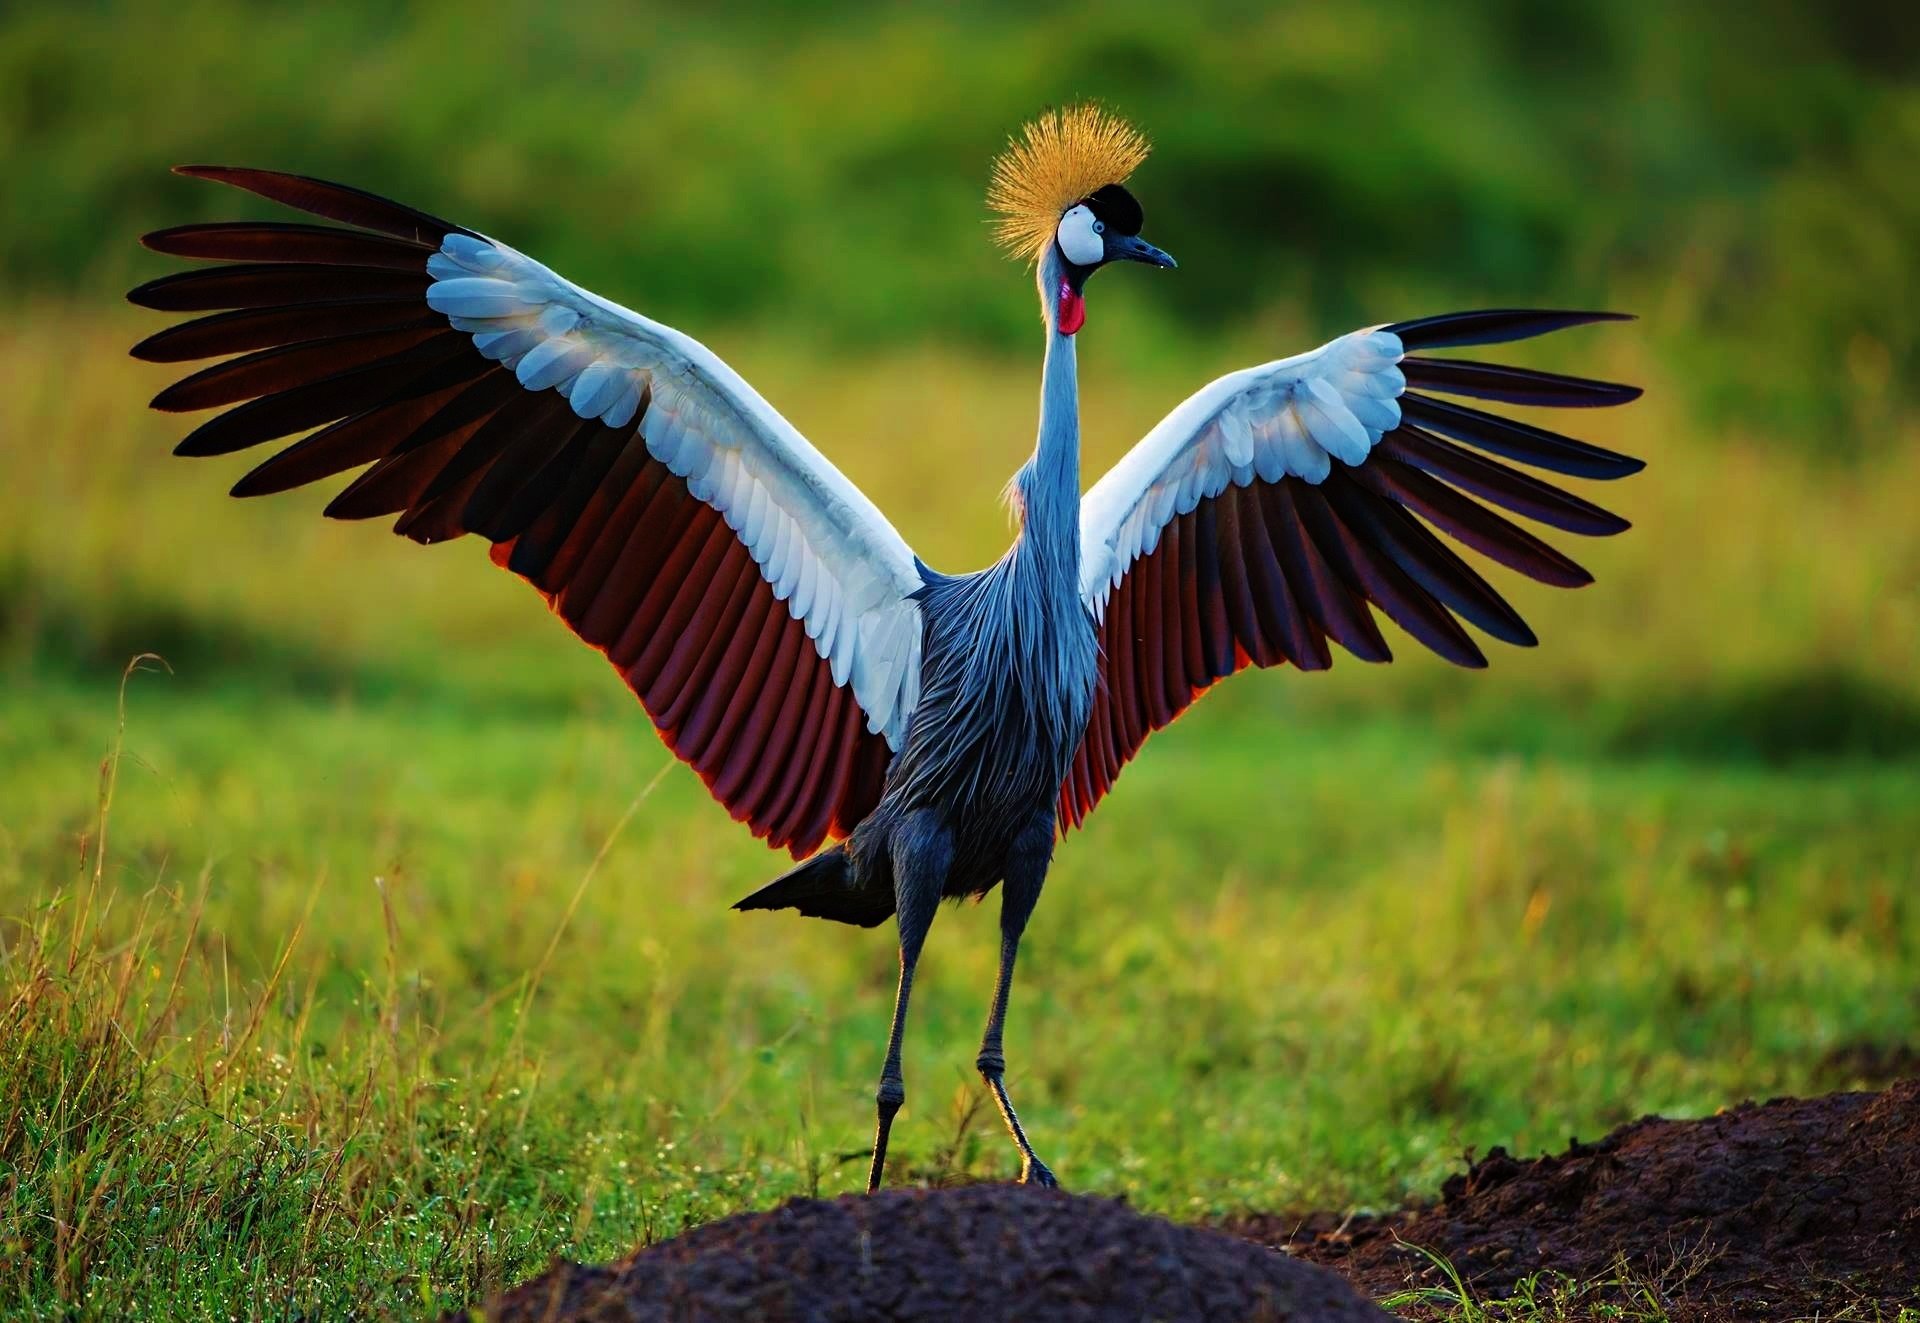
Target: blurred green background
[(1349, 924), (1742, 175)]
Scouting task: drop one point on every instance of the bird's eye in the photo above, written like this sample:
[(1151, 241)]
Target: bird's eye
[(1099, 227)]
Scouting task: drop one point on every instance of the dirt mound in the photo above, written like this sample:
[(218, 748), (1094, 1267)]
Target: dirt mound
[(978, 1253), (1787, 1210), (1783, 1210)]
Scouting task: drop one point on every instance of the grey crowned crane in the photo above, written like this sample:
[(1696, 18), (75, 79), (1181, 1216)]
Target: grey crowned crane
[(941, 731)]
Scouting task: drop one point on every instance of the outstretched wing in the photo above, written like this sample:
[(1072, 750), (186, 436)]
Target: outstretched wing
[(755, 601), (1262, 517)]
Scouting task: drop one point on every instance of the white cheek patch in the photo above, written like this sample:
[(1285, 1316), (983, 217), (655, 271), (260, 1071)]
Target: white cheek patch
[(1077, 239)]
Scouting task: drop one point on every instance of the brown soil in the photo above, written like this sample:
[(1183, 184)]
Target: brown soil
[(1786, 1210), (977, 1253)]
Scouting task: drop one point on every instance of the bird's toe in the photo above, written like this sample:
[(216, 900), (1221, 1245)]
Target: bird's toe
[(1036, 1172)]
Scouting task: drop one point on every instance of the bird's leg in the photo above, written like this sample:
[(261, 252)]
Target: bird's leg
[(922, 851), (893, 1088), (1026, 871)]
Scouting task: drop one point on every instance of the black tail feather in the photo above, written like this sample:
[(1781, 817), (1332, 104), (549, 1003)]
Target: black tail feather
[(824, 887)]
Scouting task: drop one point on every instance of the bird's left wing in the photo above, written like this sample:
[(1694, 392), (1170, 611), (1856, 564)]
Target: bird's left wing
[(757, 603), (1267, 513)]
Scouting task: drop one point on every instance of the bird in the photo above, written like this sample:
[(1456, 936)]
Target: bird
[(908, 736)]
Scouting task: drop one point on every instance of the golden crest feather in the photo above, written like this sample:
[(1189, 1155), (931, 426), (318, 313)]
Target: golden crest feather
[(1052, 163)]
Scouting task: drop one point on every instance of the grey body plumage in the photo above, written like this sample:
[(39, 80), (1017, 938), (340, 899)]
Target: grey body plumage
[(1009, 664), (1010, 660)]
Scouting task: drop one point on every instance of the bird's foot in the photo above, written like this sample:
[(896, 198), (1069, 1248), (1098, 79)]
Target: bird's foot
[(1035, 1172), (892, 1094)]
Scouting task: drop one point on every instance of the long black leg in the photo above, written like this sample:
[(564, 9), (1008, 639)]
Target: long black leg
[(922, 853), (1020, 890)]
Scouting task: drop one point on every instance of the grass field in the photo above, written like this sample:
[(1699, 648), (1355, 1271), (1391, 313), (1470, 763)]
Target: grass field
[(383, 954)]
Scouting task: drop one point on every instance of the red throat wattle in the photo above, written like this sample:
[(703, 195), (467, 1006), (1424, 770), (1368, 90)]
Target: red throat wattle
[(1073, 310)]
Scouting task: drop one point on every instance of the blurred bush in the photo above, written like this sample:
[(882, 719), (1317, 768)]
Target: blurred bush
[(1745, 177)]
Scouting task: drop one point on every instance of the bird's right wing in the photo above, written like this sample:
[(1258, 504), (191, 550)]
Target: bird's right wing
[(1265, 515), (757, 603)]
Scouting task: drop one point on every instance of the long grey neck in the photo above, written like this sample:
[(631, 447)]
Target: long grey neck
[(1049, 483)]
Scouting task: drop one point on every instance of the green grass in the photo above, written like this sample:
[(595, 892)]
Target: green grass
[(1628, 1294), (400, 959), (1506, 951)]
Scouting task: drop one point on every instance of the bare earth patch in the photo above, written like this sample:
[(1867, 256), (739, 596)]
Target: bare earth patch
[(1789, 1209), (976, 1253), (1794, 1208)]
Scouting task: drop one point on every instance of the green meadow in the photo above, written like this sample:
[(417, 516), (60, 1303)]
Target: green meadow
[(361, 947)]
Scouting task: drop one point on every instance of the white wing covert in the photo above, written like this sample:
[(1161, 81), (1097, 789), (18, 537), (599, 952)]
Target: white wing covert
[(822, 546), (1292, 417)]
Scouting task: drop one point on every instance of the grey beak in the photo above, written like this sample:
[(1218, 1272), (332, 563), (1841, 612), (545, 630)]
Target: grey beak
[(1132, 248)]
